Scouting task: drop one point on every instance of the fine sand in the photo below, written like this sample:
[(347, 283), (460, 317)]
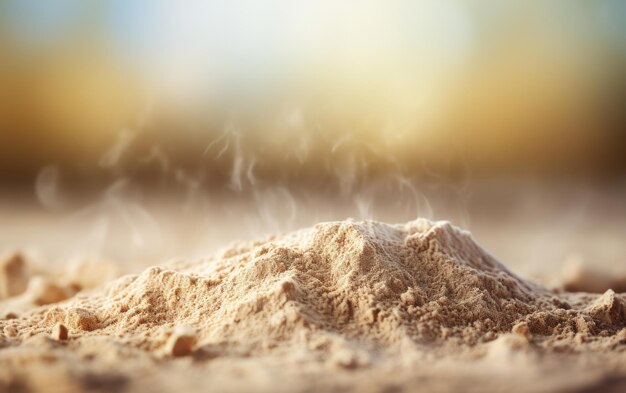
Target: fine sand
[(342, 306)]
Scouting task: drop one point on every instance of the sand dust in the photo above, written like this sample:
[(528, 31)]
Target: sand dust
[(361, 306)]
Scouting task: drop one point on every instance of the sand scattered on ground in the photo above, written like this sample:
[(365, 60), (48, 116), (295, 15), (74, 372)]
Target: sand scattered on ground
[(342, 305)]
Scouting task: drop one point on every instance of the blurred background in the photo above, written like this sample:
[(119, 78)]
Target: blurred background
[(144, 130)]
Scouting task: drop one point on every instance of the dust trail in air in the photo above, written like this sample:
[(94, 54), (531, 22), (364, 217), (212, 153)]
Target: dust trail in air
[(47, 187), (111, 157)]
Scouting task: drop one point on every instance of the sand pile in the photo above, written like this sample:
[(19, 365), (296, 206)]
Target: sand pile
[(345, 295)]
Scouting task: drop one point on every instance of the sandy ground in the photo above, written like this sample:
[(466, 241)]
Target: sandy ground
[(550, 234)]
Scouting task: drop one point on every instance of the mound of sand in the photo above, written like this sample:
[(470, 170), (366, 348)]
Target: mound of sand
[(345, 295)]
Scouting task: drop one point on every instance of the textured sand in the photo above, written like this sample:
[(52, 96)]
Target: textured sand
[(361, 306)]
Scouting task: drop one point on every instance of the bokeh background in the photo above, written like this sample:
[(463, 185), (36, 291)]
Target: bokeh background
[(143, 130)]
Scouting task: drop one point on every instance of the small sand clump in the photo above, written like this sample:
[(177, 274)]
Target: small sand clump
[(59, 332), (181, 342), (10, 331), (578, 276), (79, 319), (43, 291), (13, 275), (608, 309), (10, 315), (345, 295)]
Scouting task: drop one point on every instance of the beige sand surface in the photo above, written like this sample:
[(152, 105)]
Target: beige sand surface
[(341, 306)]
